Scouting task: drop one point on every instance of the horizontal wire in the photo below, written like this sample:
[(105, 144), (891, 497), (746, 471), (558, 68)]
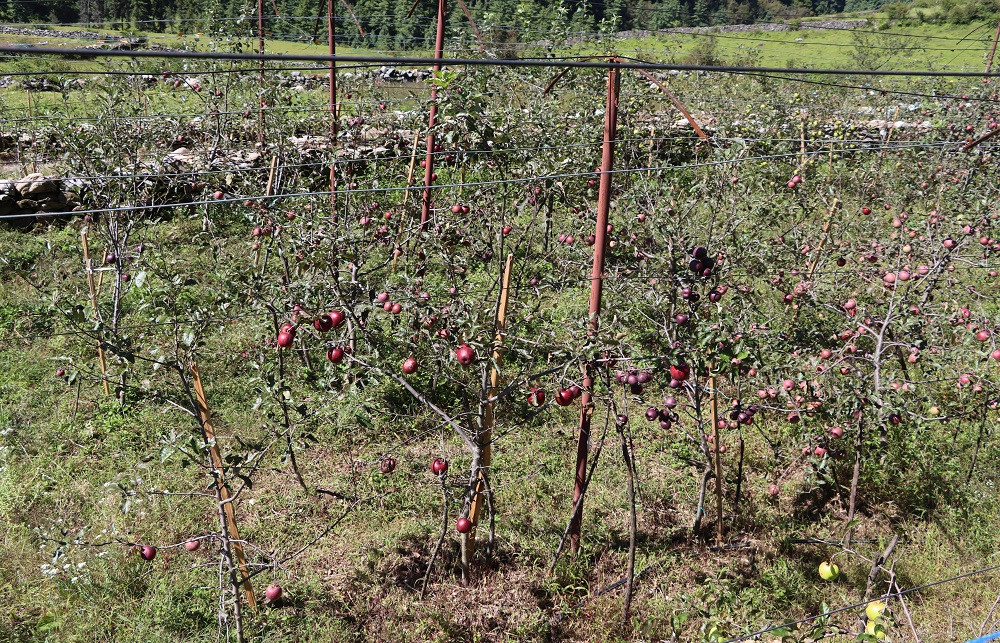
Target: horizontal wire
[(517, 62)]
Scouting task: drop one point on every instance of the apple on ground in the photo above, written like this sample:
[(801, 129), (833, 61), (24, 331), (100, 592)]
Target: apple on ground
[(273, 593), (828, 570)]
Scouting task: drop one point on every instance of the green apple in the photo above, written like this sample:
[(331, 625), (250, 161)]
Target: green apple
[(874, 610), (876, 629), (828, 571)]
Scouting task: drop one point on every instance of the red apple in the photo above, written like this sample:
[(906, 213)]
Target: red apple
[(536, 397), (410, 365), (323, 323), (680, 372), (272, 593), (147, 552), (439, 466), (337, 318), (192, 545), (388, 465), (285, 338), (465, 355), (335, 354), (464, 525)]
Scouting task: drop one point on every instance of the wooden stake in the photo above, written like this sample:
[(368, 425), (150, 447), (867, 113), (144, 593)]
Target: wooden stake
[(406, 196), (714, 404), (413, 162), (224, 493), (93, 302), (267, 192), (677, 104), (486, 436)]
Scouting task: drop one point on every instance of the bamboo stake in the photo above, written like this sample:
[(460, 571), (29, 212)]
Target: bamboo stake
[(714, 404), (486, 436), (224, 493), (93, 302), (267, 192), (406, 196), (413, 162), (802, 142)]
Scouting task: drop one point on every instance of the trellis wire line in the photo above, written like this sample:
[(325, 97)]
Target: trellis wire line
[(747, 637), (502, 62)]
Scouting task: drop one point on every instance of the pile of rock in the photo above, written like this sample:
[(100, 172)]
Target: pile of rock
[(33, 195)]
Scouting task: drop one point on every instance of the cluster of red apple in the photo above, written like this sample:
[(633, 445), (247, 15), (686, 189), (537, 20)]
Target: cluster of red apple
[(564, 396), (323, 323), (666, 415), (701, 264), (634, 379)]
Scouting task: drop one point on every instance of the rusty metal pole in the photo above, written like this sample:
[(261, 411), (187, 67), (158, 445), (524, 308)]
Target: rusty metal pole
[(331, 34), (260, 50), (993, 51), (596, 287), (425, 207)]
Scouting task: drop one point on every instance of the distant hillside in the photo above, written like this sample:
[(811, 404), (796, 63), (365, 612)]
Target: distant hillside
[(386, 23)]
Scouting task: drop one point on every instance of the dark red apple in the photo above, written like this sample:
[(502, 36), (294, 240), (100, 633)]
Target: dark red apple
[(465, 355), (147, 552), (335, 354), (337, 318), (536, 397), (439, 466), (323, 323), (388, 465), (464, 525), (285, 338), (410, 365)]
